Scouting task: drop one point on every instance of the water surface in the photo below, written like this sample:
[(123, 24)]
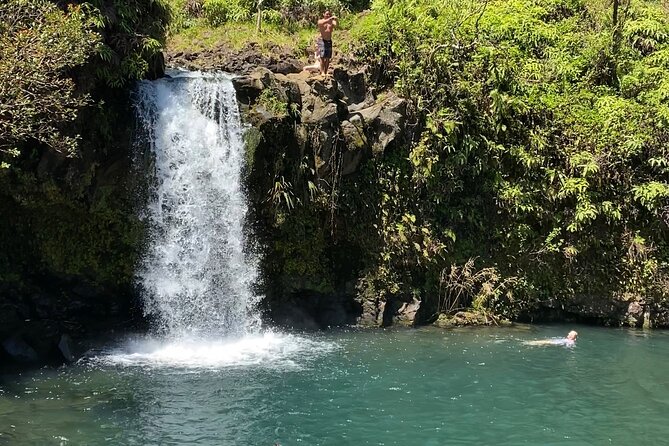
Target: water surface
[(392, 387)]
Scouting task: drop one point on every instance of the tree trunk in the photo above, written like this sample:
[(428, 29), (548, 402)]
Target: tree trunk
[(616, 6), (618, 23), (259, 17)]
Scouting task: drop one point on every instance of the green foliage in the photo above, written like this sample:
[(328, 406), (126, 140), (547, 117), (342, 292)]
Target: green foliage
[(47, 230), (541, 143), (199, 25), (307, 12), (217, 12), (292, 13), (39, 47), (281, 195), (463, 286), (67, 217), (42, 46), (300, 258), (273, 103), (133, 33), (252, 139)]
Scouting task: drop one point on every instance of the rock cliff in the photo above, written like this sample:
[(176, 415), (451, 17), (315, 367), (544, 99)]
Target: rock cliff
[(310, 138), (310, 142), (70, 236)]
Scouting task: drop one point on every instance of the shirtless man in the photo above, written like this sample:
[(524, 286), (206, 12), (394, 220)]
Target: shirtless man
[(325, 26)]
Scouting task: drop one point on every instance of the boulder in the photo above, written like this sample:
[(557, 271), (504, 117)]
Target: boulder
[(248, 89), (65, 347), (19, 350), (372, 312), (389, 124), (635, 314), (406, 313), (352, 86), (300, 80), (285, 67), (356, 144), (324, 113), (384, 122)]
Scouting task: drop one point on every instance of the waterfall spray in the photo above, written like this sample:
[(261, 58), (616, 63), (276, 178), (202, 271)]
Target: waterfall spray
[(195, 275)]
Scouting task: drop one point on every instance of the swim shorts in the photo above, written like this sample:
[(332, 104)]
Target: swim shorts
[(325, 48)]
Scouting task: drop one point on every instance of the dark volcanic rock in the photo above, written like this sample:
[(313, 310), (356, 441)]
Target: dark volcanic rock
[(336, 112), (312, 311), (241, 62), (329, 127), (635, 314), (290, 66), (47, 326), (19, 350)]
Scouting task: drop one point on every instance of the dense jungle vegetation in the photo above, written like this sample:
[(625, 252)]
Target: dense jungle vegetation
[(540, 149), (536, 174), (64, 136)]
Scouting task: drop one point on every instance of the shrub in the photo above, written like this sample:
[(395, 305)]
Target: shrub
[(133, 35), (218, 12), (308, 11), (39, 46), (537, 133)]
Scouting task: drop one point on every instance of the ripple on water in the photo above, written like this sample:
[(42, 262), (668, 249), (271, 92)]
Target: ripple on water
[(396, 387)]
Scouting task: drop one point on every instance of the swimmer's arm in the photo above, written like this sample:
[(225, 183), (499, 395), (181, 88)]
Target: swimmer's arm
[(541, 342)]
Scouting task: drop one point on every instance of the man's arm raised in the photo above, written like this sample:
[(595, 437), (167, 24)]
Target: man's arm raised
[(332, 20)]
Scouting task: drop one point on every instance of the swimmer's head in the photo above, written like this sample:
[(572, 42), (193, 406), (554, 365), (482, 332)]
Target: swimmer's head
[(572, 335)]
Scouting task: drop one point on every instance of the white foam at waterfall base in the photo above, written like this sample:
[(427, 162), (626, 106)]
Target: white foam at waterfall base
[(268, 349)]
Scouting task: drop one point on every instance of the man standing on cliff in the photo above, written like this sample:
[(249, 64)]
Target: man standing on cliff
[(325, 26)]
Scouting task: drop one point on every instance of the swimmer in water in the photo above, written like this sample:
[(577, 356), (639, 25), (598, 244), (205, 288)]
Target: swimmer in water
[(569, 341)]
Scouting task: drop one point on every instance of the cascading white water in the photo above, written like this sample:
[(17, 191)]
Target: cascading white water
[(196, 278)]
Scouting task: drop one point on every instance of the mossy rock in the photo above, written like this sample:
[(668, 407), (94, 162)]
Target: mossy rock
[(469, 318)]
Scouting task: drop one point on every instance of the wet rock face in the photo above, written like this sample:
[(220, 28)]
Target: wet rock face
[(388, 311), (19, 350), (625, 310), (312, 311), (635, 314), (373, 310), (39, 327), (329, 127), (659, 318), (406, 313), (334, 113)]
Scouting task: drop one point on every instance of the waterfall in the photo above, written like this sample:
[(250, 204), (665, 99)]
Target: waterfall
[(195, 276)]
